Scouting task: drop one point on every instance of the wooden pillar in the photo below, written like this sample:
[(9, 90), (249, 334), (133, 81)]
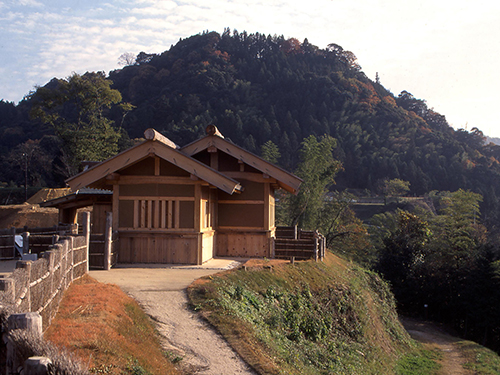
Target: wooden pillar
[(267, 213), (198, 223), (26, 264), (26, 242), (116, 205), (13, 229), (214, 157), (86, 233), (108, 240)]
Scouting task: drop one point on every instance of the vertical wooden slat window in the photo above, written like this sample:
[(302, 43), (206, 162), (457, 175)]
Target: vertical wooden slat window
[(156, 213)]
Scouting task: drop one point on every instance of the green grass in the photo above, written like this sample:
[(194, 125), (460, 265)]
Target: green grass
[(419, 362), (307, 318), (480, 360)]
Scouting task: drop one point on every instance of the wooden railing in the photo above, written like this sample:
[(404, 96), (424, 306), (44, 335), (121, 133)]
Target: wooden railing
[(294, 243), (38, 239)]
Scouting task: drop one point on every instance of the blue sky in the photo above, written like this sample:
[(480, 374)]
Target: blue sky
[(446, 52)]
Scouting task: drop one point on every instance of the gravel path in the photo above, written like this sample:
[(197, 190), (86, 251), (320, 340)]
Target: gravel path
[(161, 291), (429, 334)]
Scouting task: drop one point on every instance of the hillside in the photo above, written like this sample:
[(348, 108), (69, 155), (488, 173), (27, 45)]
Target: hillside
[(307, 318), (257, 88)]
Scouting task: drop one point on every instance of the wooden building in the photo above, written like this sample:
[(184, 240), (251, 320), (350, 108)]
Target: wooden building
[(174, 204)]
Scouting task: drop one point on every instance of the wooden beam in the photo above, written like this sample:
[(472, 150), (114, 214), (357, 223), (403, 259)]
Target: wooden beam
[(141, 152), (116, 206), (153, 135), (164, 214), (143, 213), (156, 218), (169, 217), (235, 201), (112, 165), (197, 209), (113, 176), (140, 180), (146, 197), (267, 194), (214, 160), (254, 177), (157, 165), (149, 208), (136, 214), (199, 169), (177, 214), (287, 180)]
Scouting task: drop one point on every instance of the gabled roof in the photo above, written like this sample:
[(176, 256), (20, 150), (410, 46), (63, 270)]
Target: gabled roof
[(214, 138), (155, 144)]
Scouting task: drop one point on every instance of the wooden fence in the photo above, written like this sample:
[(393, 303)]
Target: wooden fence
[(40, 239), (97, 251), (291, 242)]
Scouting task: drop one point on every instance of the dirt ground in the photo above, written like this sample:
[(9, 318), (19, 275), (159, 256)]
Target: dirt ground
[(434, 337), (161, 291)]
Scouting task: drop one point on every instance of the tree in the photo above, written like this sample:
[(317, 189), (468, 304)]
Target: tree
[(30, 163), (344, 232), (404, 257), (318, 169), (459, 233), (395, 187), (127, 59), (75, 108), (270, 152)]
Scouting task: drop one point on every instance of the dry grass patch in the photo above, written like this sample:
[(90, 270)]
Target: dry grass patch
[(108, 331)]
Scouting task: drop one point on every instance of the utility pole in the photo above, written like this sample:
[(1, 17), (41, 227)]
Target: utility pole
[(25, 177)]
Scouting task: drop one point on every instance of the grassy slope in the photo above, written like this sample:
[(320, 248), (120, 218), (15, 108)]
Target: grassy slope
[(307, 318), (108, 331)]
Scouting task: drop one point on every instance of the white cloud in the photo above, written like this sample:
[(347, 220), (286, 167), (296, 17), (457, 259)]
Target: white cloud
[(444, 51), (30, 3)]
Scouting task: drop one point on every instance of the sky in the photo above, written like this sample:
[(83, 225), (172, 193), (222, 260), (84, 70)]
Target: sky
[(446, 52)]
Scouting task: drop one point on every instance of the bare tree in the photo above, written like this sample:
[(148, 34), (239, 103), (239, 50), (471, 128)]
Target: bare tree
[(127, 59)]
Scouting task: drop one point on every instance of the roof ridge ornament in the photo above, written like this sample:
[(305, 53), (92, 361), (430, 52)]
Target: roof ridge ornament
[(153, 135), (212, 130)]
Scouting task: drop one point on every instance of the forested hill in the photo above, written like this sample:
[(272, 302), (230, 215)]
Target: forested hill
[(259, 88)]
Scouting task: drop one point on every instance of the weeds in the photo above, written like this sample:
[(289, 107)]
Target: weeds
[(305, 319), (480, 359), (27, 344)]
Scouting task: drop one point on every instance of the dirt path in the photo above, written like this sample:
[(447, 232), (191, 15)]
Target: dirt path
[(162, 293), (433, 337)]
